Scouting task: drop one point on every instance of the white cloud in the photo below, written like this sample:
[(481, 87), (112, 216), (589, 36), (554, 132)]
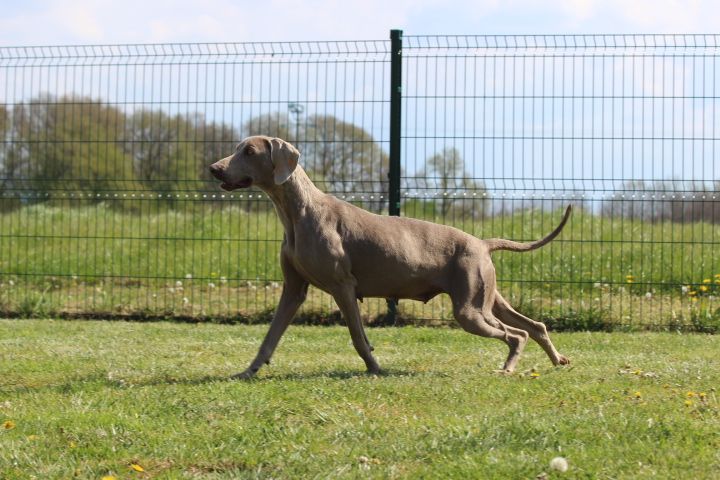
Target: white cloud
[(142, 21)]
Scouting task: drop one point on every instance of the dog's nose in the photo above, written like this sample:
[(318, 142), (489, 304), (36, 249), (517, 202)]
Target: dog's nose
[(215, 169)]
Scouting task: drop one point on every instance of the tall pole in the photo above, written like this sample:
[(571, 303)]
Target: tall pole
[(395, 138)]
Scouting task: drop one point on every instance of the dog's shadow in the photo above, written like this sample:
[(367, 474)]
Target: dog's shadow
[(338, 374)]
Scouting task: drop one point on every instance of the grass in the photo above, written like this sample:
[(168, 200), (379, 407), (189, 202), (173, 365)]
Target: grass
[(221, 263), (85, 399)]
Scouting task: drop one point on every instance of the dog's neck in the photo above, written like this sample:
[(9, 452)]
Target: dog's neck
[(292, 198)]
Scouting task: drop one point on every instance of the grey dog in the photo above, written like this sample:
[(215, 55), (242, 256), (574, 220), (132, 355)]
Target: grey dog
[(351, 253)]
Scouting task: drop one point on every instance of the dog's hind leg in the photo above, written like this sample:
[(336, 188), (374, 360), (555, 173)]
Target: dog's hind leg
[(536, 330), (473, 321)]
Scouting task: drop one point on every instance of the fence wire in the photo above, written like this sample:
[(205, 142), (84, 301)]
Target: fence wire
[(107, 209)]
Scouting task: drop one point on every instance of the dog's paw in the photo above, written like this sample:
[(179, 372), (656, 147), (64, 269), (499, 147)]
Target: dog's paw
[(563, 360), (246, 375)]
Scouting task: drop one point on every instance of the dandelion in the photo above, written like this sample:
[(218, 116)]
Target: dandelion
[(137, 467), (703, 288), (630, 278), (692, 293), (637, 395), (109, 477), (534, 375), (693, 299), (707, 280), (690, 394), (688, 403), (8, 425), (702, 396)]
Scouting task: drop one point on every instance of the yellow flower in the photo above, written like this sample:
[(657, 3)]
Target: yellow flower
[(638, 395), (692, 293), (72, 444), (137, 467), (534, 374), (707, 280), (8, 425), (702, 395), (694, 299), (630, 278), (688, 403), (703, 288), (109, 477), (690, 394)]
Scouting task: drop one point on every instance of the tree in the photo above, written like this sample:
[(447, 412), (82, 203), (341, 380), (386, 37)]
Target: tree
[(341, 157), (346, 158), (68, 144), (445, 177), (164, 157), (212, 142)]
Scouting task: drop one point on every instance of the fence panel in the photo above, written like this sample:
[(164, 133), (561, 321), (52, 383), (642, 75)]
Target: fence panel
[(107, 209), (106, 205), (501, 132)]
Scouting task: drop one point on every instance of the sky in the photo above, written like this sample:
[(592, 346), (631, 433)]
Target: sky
[(52, 22), (57, 22)]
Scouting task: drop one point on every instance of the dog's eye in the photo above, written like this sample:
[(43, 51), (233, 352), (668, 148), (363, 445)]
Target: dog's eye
[(250, 151)]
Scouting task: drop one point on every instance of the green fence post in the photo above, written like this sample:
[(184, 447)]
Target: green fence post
[(395, 126)]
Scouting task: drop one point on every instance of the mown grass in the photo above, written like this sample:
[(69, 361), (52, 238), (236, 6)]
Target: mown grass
[(92, 398), (221, 262)]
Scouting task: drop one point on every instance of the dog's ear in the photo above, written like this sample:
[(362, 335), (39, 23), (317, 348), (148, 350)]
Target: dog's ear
[(284, 158)]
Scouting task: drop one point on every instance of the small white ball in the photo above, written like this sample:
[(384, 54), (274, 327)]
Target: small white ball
[(559, 464)]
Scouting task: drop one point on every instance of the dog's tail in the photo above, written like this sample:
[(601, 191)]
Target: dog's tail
[(503, 244)]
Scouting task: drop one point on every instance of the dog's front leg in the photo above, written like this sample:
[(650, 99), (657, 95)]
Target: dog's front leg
[(293, 295), (347, 301)]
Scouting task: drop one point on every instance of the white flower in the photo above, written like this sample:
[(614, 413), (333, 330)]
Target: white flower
[(185, 301), (178, 284), (188, 276), (171, 290), (559, 464), (223, 280), (648, 295), (684, 289), (211, 285)]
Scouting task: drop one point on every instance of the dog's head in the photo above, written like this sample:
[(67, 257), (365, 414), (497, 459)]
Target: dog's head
[(260, 161)]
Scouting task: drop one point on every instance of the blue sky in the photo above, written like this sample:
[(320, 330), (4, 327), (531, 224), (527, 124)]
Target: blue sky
[(35, 22), (54, 22)]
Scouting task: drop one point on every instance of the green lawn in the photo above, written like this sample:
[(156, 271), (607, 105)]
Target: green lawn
[(86, 399)]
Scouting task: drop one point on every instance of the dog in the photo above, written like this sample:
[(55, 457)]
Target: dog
[(351, 253)]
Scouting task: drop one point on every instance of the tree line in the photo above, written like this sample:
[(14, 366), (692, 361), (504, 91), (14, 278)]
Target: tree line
[(74, 144)]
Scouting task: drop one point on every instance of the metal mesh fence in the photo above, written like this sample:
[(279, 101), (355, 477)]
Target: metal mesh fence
[(501, 132), (107, 209)]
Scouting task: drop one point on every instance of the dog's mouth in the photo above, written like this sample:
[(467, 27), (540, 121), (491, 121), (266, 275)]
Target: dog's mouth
[(243, 183)]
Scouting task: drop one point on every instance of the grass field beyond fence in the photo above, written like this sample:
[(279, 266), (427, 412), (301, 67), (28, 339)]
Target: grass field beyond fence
[(221, 263), (86, 399)]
